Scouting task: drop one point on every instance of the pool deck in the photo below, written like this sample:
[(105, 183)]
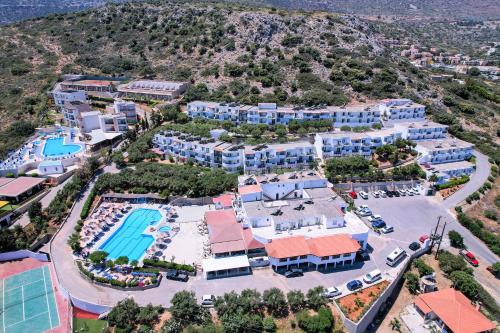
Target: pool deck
[(152, 231)]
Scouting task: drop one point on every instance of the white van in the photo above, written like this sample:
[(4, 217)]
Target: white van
[(395, 257), (372, 276)]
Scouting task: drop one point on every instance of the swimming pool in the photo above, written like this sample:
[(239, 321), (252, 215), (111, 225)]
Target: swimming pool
[(128, 239), (57, 147), (166, 228)]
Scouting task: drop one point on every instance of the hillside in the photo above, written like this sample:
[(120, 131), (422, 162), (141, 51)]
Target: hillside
[(227, 52)]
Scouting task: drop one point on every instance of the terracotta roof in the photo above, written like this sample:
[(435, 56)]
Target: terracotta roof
[(4, 181), (455, 310), (250, 242), (19, 185), (224, 200), (249, 189), (319, 246), (230, 238), (287, 247), (332, 245), (220, 217)]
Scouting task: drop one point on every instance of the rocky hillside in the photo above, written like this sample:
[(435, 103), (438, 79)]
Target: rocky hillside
[(227, 52)]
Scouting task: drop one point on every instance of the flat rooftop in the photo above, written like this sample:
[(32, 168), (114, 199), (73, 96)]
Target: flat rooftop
[(421, 124), (452, 166), (444, 144), (285, 177), (19, 186), (359, 135)]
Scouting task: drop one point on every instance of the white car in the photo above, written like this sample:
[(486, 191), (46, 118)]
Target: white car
[(409, 192), (374, 218), (259, 262), (363, 194), (383, 194), (372, 276), (387, 229), (207, 300), (365, 212), (376, 194), (415, 190), (331, 292), (402, 192)]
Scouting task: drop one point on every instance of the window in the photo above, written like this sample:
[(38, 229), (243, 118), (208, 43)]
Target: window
[(303, 257), (346, 255), (325, 258), (336, 256), (293, 258), (283, 259)]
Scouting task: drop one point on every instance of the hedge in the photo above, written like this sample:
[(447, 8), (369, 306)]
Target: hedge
[(452, 183), (475, 226), (88, 203), (168, 265)]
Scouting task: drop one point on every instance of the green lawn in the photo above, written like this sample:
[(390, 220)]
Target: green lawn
[(89, 325)]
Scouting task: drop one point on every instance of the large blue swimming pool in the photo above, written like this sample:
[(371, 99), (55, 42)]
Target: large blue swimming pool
[(128, 239), (56, 147)]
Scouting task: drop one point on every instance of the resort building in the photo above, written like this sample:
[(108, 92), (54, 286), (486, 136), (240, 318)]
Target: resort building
[(225, 267), (396, 110), (234, 158), (224, 201), (320, 253), (451, 311), (271, 114), (79, 114), (113, 123), (447, 171), (88, 85), (343, 144), (70, 95), (295, 204), (444, 151), (128, 109), (228, 237), (149, 89), (50, 167), (72, 112), (17, 189), (421, 130)]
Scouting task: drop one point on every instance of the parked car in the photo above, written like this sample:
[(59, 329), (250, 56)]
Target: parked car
[(383, 194), (207, 300), (294, 272), (374, 218), (331, 292), (363, 195), (259, 262), (423, 238), (402, 192), (353, 194), (409, 192), (354, 285), (378, 224), (414, 246), (362, 255), (396, 194), (364, 212), (173, 274), (390, 194), (372, 276), (376, 194), (387, 229), (469, 257)]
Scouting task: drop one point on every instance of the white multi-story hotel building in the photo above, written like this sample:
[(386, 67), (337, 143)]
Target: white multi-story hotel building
[(152, 89), (444, 151), (395, 110), (422, 130), (271, 114), (68, 95), (127, 108), (330, 145), (79, 114), (235, 158)]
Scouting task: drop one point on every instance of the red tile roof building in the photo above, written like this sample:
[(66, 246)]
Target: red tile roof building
[(454, 311), (319, 252)]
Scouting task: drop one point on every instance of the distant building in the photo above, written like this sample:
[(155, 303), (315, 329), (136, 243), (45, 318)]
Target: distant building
[(447, 171), (73, 110), (422, 130), (395, 110), (88, 85), (62, 96), (149, 89), (79, 114), (126, 108)]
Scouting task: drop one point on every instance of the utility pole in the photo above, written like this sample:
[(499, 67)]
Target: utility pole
[(440, 240), (435, 231)]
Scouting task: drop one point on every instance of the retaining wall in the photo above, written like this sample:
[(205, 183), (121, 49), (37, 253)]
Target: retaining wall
[(362, 325)]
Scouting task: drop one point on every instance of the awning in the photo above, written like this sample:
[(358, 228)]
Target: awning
[(219, 264)]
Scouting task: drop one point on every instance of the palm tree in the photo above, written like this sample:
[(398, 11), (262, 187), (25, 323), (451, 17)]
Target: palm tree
[(395, 324)]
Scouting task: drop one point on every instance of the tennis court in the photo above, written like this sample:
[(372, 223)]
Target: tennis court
[(27, 302)]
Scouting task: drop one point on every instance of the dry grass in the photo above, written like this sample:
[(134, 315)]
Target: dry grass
[(351, 303)]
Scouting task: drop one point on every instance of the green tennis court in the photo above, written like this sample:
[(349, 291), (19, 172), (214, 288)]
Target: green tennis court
[(28, 303)]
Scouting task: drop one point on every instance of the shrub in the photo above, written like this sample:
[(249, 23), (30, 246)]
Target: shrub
[(322, 322), (452, 183), (88, 203), (491, 214), (456, 239), (449, 263), (269, 325), (168, 265), (412, 282), (422, 267)]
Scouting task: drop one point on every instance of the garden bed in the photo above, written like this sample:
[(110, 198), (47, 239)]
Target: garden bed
[(355, 305)]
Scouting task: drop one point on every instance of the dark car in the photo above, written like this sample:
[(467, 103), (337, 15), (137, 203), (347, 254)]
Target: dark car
[(362, 256), (176, 275), (390, 194), (396, 193), (354, 285), (378, 224), (294, 272), (414, 246)]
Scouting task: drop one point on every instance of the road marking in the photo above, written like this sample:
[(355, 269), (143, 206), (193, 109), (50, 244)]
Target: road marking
[(37, 315), (3, 304), (47, 298), (22, 298)]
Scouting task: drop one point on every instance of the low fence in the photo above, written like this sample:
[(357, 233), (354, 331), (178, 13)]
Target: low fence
[(182, 201), (362, 325), (374, 186), (21, 254)]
